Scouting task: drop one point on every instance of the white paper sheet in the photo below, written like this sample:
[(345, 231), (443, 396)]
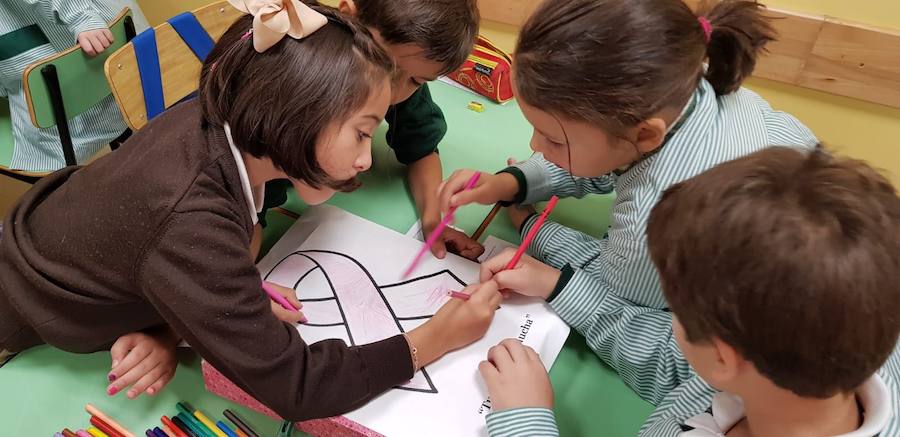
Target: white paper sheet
[(347, 271)]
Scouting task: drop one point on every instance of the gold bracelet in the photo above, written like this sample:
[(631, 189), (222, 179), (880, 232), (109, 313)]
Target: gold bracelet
[(414, 353)]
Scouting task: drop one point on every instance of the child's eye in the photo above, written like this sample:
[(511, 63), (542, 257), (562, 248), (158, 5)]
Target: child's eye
[(553, 143), (362, 135)]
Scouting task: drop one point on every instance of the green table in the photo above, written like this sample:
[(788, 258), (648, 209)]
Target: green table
[(44, 389)]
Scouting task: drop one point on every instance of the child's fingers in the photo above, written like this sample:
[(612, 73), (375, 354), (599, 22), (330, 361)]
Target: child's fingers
[(284, 315), (533, 355), (108, 36), (481, 293), (120, 348), (160, 383), (455, 183), (516, 350), (439, 249), (146, 381), (490, 373), (86, 45), (499, 356), (134, 357), (135, 373), (495, 264)]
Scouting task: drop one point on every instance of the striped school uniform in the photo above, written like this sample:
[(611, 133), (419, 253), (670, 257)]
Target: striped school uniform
[(31, 30), (609, 290)]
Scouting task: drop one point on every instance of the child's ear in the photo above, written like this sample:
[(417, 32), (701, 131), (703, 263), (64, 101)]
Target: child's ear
[(347, 7), (728, 365), (650, 134)]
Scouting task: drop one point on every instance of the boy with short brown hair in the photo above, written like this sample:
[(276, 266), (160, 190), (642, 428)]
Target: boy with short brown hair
[(781, 270)]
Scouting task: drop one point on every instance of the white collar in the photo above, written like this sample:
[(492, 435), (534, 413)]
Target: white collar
[(255, 197), (728, 409)]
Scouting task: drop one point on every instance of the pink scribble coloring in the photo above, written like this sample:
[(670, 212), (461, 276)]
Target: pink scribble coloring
[(367, 312)]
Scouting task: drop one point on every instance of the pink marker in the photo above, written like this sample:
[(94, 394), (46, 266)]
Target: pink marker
[(278, 298), (439, 229), (458, 295)]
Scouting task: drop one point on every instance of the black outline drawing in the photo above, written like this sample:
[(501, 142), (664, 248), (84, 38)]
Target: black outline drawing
[(381, 291)]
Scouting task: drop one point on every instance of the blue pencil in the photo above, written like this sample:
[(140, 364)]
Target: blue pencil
[(228, 431)]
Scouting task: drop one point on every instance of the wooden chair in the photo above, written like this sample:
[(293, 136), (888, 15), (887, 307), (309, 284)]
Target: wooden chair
[(168, 70), (58, 88)]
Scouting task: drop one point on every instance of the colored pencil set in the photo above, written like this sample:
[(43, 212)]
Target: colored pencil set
[(188, 422)]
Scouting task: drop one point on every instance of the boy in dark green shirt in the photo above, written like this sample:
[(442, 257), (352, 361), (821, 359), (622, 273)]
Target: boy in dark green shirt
[(425, 39)]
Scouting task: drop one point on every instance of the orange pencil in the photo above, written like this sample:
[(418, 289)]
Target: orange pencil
[(94, 411)]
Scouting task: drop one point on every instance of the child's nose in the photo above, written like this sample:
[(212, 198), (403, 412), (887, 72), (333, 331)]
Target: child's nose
[(364, 161)]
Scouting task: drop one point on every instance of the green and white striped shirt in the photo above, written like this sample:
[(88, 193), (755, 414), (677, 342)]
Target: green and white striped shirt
[(613, 296), (52, 26)]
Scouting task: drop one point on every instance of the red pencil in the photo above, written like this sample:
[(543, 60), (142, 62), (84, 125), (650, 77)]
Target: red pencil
[(172, 427), (531, 234), (105, 427)]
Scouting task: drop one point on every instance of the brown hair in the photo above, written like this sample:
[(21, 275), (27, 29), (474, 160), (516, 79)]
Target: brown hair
[(279, 102), (445, 29), (615, 63), (790, 257)]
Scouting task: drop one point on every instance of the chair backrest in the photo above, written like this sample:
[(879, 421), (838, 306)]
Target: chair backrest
[(82, 83), (177, 64), (6, 137)]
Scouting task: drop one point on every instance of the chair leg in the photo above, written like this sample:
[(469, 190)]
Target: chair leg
[(59, 113)]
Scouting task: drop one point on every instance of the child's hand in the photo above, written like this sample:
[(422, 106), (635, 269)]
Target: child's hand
[(516, 377), (284, 315), (456, 242), (146, 360), (529, 277), (94, 42), (488, 190), (458, 323), (518, 214)]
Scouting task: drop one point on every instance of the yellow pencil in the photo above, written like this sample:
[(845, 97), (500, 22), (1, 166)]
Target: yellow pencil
[(96, 432), (209, 424), (94, 411)]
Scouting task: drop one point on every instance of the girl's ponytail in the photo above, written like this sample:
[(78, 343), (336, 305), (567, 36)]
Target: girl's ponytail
[(739, 32)]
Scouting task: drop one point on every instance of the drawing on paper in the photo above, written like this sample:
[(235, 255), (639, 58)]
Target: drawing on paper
[(341, 300)]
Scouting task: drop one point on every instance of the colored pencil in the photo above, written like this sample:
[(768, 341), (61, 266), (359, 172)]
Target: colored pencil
[(458, 295), (94, 411), (208, 423), (486, 222), (278, 298), (436, 233), (159, 432), (172, 427), (240, 433), (187, 415), (532, 233), (105, 427), (68, 433), (240, 424), (82, 433), (94, 432), (226, 429), (166, 431), (196, 427), (150, 433), (184, 427)]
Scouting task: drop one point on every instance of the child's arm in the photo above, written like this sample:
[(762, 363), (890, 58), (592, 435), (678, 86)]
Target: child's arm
[(78, 16), (635, 340), (417, 126), (424, 179), (199, 277), (540, 179), (520, 392)]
